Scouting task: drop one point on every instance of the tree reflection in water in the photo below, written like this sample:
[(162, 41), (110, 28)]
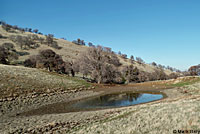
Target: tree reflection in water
[(99, 102), (116, 100)]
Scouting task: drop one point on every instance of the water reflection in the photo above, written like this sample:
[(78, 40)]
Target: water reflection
[(116, 100), (99, 102)]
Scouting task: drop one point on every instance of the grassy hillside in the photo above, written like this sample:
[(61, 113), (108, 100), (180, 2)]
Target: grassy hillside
[(17, 80), (69, 51)]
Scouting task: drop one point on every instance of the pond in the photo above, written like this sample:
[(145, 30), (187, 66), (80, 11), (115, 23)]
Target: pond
[(112, 100), (116, 100)]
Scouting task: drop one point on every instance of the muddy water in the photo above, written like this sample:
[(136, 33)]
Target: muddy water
[(112, 100)]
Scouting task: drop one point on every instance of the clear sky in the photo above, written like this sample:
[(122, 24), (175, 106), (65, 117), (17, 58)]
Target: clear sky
[(164, 31)]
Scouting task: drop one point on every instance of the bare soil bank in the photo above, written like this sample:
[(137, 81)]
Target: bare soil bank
[(11, 122)]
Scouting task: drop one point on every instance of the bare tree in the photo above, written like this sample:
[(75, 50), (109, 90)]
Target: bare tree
[(49, 39), (35, 30), (91, 45), (154, 64), (124, 56), (108, 49), (139, 60), (131, 73), (98, 63), (173, 76), (143, 76), (30, 30), (132, 59), (79, 41), (160, 74)]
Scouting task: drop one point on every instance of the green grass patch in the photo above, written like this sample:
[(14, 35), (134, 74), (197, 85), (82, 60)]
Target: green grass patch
[(185, 82)]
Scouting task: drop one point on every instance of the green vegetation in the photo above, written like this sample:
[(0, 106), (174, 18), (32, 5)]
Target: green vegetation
[(186, 82)]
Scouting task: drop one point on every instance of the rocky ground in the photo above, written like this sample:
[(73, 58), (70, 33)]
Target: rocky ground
[(178, 111)]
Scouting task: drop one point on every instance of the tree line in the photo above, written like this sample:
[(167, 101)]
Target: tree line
[(11, 28), (100, 63), (97, 63)]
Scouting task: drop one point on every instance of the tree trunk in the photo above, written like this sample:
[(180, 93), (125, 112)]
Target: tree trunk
[(99, 80), (72, 72)]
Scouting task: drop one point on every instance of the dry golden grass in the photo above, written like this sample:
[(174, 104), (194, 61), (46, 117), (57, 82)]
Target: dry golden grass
[(161, 117), (17, 80)]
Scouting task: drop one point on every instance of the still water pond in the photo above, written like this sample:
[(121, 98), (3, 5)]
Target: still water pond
[(116, 100), (98, 102)]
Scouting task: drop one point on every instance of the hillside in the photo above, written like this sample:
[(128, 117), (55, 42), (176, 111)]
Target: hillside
[(28, 90), (38, 101), (69, 51), (22, 81)]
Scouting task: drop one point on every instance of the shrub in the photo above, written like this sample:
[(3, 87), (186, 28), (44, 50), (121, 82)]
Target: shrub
[(124, 56), (173, 76), (9, 46), (46, 59), (139, 60), (31, 62), (22, 53), (130, 73), (55, 45), (7, 54), (25, 42), (49, 39), (79, 42)]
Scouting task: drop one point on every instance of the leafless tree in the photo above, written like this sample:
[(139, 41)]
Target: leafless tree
[(173, 76), (35, 30), (139, 60), (132, 58), (124, 56), (30, 30), (108, 49), (160, 74), (143, 76), (154, 64), (49, 39), (91, 45), (131, 73), (97, 62)]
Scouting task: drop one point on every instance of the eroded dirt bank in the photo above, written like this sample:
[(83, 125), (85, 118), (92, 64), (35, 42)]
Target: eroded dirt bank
[(142, 118)]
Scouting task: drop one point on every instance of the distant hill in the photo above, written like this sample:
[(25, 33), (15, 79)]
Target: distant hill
[(68, 50)]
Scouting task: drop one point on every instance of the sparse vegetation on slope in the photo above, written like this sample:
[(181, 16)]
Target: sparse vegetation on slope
[(184, 81), (16, 81), (29, 44)]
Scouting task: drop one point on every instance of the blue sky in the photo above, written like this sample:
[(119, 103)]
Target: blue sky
[(164, 31)]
